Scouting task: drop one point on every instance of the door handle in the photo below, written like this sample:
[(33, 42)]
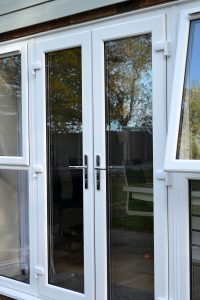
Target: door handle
[(110, 168), (78, 167), (98, 170), (116, 167), (84, 168)]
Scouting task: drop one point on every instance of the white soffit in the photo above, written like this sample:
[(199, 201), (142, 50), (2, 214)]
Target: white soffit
[(9, 6), (15, 14)]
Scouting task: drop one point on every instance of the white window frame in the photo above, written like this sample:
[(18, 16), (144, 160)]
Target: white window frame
[(10, 286), (180, 284), (171, 162), (22, 160), (11, 283)]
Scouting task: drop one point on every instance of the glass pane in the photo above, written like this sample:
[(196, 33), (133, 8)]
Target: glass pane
[(128, 64), (189, 130), (195, 237), (65, 186), (14, 225), (10, 106)]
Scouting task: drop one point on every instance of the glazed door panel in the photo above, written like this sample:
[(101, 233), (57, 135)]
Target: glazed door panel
[(129, 103), (67, 210)]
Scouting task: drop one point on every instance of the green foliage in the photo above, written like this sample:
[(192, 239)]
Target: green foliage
[(128, 85), (189, 139), (64, 90), (195, 122), (128, 82), (10, 75)]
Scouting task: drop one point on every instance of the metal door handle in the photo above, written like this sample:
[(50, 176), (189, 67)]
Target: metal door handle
[(100, 169), (110, 168), (116, 167), (98, 173), (84, 168), (78, 167)]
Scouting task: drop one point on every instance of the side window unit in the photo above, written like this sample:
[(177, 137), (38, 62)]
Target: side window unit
[(183, 142), (14, 163), (14, 106)]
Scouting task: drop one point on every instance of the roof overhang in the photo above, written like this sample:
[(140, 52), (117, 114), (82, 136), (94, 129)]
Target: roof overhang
[(16, 14)]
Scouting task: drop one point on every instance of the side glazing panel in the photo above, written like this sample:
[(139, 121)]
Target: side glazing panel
[(10, 105), (188, 146)]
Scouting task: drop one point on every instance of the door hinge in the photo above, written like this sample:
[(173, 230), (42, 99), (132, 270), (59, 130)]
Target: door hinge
[(166, 176), (36, 170), (36, 67), (39, 271), (164, 46)]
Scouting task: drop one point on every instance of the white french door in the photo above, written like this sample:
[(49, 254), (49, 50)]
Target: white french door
[(101, 145), (98, 130), (129, 145), (66, 206)]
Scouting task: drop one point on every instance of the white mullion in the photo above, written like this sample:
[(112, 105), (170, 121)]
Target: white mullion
[(88, 194), (33, 223)]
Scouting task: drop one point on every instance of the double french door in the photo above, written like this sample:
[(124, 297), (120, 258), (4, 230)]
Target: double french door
[(97, 219)]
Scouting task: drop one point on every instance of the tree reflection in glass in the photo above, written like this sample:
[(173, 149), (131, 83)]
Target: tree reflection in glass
[(189, 130), (128, 75), (65, 186), (10, 105)]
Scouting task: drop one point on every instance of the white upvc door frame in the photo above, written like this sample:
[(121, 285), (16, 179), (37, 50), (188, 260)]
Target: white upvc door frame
[(44, 45), (179, 230), (144, 23)]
